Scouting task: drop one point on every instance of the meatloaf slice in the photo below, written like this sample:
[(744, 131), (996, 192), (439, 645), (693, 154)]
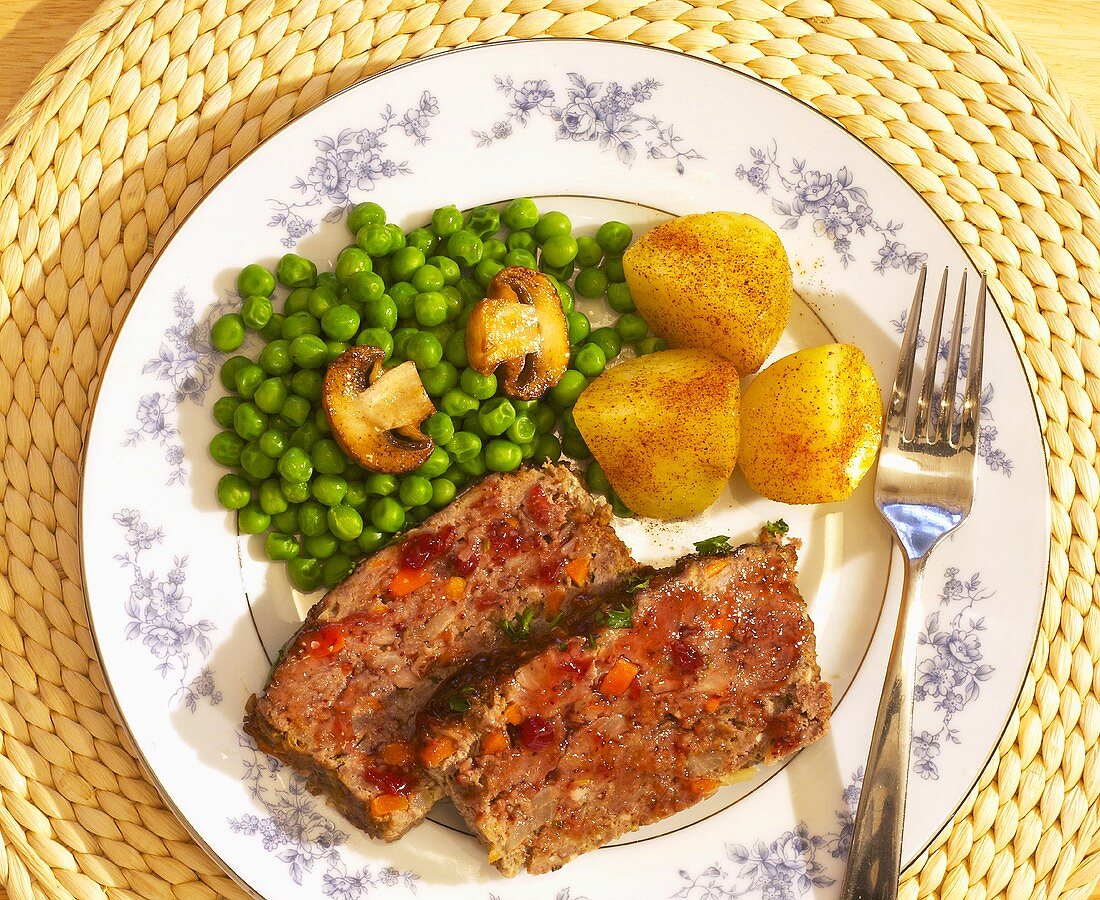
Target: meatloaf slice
[(635, 711), (499, 563)]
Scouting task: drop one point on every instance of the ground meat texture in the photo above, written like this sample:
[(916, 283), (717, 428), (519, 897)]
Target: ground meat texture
[(633, 712), (340, 706)]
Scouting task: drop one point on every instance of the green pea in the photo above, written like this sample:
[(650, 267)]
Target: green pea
[(522, 430), (527, 450), (551, 224), (590, 361), (336, 569), (376, 337), (295, 465), (424, 240), (341, 323), (650, 344), (443, 492), (619, 299), (366, 286), (430, 309), (304, 573), (465, 247), (591, 282), (403, 295), (275, 358), (371, 539), (439, 427), (280, 546), (363, 214), (249, 422), (472, 424), (270, 395), (521, 213), (619, 508), (439, 379), (522, 240), (328, 458), (320, 302), (296, 271), (387, 515), (495, 251), (297, 301), (608, 340), (401, 338), (298, 324), (589, 252), (374, 239), (565, 393), (613, 268), (230, 369), (631, 327), (295, 491), (321, 546), (453, 299), (226, 447), (352, 261), (573, 445), (427, 278), (308, 351), (272, 499), (329, 489), (474, 467), (579, 327), (502, 456), (286, 521), (456, 403), (561, 273), (415, 490), (448, 268), (497, 415), (547, 449), (248, 379), (223, 410), (255, 279), (406, 261), (380, 313), (565, 293), (614, 237), (596, 478), (545, 419), (397, 236), (484, 221), (255, 462), (454, 351), (307, 383), (273, 330), (559, 250), (256, 311), (424, 350), (435, 465), (459, 477), (464, 446), (305, 436), (312, 518), (273, 443), (345, 522), (478, 386), (233, 491), (520, 258), (470, 290), (446, 221), (381, 484)]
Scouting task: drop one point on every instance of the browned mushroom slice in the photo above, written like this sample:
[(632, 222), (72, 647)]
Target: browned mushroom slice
[(520, 327), (375, 413)]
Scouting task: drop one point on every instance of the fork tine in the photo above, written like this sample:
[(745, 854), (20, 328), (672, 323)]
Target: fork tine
[(947, 418), (925, 423), (972, 403), (899, 399)]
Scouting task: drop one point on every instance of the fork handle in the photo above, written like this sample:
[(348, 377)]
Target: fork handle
[(874, 861)]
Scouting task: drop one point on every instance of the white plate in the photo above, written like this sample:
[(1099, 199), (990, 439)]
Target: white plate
[(187, 618)]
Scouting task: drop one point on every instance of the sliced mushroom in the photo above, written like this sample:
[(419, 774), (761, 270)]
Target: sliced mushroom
[(375, 413), (520, 327)]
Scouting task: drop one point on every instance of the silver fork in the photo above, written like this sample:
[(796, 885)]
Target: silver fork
[(924, 489)]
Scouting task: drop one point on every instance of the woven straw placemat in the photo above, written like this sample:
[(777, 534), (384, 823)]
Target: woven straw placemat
[(154, 100)]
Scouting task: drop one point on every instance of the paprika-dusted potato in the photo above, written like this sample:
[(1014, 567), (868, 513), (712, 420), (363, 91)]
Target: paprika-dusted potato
[(811, 425), (720, 281), (664, 427)]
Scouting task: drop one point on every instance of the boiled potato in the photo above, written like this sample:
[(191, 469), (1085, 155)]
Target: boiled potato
[(811, 425), (719, 281), (664, 427)]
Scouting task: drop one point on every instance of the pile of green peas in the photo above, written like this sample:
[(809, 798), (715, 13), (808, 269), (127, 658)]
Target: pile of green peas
[(410, 295)]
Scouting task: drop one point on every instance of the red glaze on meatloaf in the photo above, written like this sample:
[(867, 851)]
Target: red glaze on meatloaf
[(341, 705), (637, 711)]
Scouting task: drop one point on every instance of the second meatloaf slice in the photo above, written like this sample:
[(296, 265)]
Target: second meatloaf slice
[(496, 565), (632, 713)]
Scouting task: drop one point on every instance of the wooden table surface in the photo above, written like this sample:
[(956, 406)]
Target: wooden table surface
[(32, 31)]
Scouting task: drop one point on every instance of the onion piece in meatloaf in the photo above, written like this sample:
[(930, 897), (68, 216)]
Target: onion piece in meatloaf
[(635, 711), (497, 565)]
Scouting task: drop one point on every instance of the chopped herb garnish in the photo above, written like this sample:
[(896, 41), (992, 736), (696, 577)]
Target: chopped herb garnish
[(777, 528), (637, 583), (591, 641), (563, 646), (617, 617), (555, 621), (712, 546), (457, 701), (518, 628)]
